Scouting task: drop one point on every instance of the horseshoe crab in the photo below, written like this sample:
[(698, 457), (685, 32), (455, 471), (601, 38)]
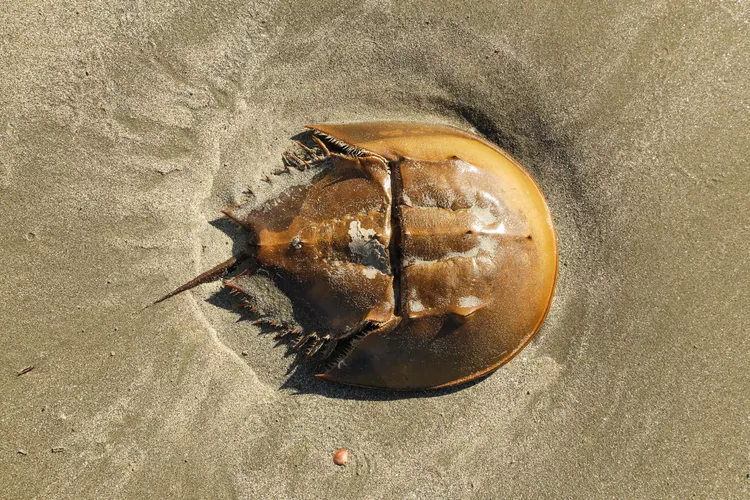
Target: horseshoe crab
[(428, 254)]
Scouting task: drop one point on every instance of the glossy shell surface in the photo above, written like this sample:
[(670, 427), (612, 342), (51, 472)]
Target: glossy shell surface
[(428, 255)]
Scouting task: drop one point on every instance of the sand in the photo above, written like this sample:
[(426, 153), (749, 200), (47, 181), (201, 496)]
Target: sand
[(126, 128)]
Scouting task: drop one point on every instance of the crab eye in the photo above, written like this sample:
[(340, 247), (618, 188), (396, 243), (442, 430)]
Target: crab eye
[(296, 244)]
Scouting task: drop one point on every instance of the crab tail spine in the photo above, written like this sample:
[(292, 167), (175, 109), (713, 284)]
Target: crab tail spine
[(212, 274)]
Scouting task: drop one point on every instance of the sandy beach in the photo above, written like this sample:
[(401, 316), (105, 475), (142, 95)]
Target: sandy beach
[(125, 129)]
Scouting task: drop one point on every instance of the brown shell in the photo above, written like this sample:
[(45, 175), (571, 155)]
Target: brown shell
[(427, 252)]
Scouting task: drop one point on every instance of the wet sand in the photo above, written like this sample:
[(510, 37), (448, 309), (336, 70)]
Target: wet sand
[(125, 130)]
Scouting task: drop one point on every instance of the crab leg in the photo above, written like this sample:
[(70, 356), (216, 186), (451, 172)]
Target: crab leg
[(316, 347), (329, 348), (323, 147), (303, 340), (309, 151), (295, 160)]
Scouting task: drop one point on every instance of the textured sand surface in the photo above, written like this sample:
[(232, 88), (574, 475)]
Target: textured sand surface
[(126, 128)]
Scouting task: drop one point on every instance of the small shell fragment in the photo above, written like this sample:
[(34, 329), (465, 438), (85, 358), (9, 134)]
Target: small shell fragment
[(341, 456)]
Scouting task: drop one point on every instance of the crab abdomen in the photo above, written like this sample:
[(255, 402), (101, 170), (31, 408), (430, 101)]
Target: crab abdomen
[(477, 258)]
